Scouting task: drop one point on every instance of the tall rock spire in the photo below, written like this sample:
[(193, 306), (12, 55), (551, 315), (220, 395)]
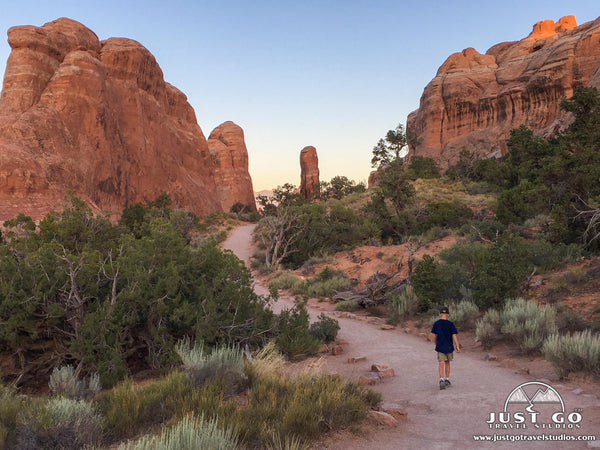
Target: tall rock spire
[(309, 173)]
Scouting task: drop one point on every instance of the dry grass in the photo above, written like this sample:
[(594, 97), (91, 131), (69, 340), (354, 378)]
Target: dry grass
[(443, 190)]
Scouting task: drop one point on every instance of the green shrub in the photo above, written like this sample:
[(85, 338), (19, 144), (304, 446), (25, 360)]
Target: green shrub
[(570, 321), (64, 381), (305, 406), (504, 266), (347, 305), (128, 409), (325, 284), (323, 288), (287, 443), (426, 282), (293, 336), (284, 280), (325, 329), (266, 365), (310, 263), (523, 201), (11, 404), (482, 230), (77, 423), (166, 290), (122, 409), (464, 314), (223, 362), (321, 404), (579, 352), (522, 322), (445, 215), (422, 167), (188, 434), (403, 305), (58, 422), (487, 329), (547, 256)]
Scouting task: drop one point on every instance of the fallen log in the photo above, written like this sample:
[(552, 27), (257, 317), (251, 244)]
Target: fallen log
[(378, 288)]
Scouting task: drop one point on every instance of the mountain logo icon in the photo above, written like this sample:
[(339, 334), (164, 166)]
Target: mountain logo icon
[(544, 393)]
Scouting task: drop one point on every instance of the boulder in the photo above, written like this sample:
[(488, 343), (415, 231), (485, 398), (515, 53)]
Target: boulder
[(369, 379), (337, 350), (382, 418), (357, 359)]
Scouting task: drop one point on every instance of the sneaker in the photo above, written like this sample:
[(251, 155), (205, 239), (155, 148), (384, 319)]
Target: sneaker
[(447, 383), (442, 384)]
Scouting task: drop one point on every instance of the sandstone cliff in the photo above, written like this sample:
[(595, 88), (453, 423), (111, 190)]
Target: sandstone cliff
[(96, 118), (475, 100), (229, 159), (309, 172)]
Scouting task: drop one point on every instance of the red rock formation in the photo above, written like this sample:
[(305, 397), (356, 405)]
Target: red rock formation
[(229, 159), (96, 118), (475, 100), (309, 172)]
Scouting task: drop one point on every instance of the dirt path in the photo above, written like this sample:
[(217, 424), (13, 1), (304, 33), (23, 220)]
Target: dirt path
[(439, 419)]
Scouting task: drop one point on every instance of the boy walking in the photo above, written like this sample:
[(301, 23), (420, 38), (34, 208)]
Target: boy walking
[(444, 335)]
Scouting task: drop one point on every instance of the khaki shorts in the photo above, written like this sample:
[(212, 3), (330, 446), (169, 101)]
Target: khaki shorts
[(445, 356)]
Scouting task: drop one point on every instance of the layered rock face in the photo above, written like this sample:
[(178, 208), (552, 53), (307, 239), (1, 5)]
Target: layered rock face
[(229, 159), (475, 100), (309, 172), (96, 118)]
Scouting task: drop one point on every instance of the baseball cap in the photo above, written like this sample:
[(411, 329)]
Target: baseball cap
[(444, 310)]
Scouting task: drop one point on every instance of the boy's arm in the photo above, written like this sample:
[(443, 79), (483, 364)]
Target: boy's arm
[(433, 337), (456, 344)]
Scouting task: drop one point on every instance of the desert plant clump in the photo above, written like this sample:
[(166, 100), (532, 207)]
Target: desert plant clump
[(123, 408), (267, 364), (347, 305), (324, 284), (190, 433), (285, 280), (304, 406), (403, 305), (11, 404), (64, 381), (464, 314), (78, 417), (521, 321), (287, 443), (280, 411), (327, 282), (293, 336), (56, 422), (325, 329), (570, 321), (223, 362), (577, 352)]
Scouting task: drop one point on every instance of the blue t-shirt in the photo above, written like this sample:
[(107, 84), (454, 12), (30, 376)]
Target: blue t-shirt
[(444, 329)]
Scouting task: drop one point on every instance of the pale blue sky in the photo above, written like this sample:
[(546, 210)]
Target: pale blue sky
[(333, 74)]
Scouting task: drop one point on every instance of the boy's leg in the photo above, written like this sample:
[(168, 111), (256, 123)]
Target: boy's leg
[(447, 364), (441, 368)]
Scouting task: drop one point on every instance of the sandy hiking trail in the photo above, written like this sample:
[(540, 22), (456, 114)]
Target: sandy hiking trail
[(437, 419)]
